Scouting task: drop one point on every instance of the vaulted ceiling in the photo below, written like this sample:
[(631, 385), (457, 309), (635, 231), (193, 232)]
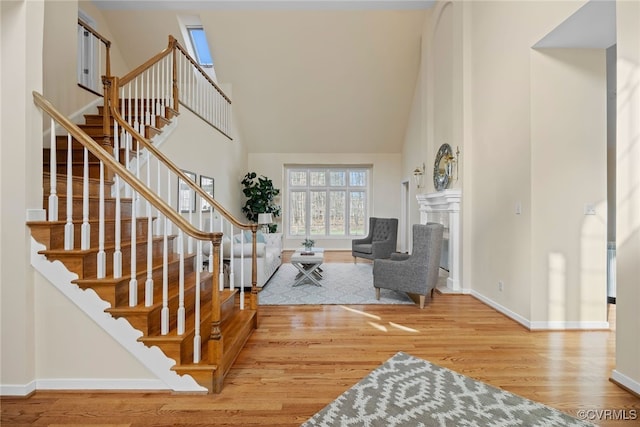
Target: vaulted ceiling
[(306, 76)]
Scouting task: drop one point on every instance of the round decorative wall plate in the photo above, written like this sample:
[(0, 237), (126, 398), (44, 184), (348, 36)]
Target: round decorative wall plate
[(442, 168)]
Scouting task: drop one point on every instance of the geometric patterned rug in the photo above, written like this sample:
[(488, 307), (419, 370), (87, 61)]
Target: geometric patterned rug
[(408, 391), (342, 283)]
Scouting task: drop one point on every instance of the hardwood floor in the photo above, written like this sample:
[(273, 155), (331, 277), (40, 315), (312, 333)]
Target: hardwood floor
[(303, 357)]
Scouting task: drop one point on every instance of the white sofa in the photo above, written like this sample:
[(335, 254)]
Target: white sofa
[(269, 251)]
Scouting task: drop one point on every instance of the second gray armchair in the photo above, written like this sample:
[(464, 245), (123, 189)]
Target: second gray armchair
[(380, 242), (416, 273)]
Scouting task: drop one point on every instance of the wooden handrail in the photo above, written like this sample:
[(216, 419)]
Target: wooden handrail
[(147, 64), (97, 150), (168, 163), (198, 67), (104, 40), (94, 32)]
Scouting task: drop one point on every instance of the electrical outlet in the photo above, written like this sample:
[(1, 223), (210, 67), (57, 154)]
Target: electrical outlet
[(500, 285)]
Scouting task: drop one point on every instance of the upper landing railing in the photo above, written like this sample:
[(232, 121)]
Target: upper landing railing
[(167, 80), (91, 65)]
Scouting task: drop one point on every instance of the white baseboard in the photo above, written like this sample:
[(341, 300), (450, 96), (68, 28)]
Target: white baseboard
[(575, 325), (625, 381), (17, 389), (100, 384), (82, 384), (541, 325), (502, 309)]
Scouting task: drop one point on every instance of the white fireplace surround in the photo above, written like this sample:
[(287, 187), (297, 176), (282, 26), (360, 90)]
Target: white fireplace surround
[(444, 207)]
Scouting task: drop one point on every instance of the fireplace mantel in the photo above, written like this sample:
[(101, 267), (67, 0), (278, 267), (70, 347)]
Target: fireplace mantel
[(444, 207)]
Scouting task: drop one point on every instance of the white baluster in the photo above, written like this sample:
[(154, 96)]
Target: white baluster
[(117, 253), (133, 282), (181, 311), (164, 313), (221, 274), (232, 277), (68, 227), (147, 100), (159, 193), (53, 175), (154, 93), (196, 337), (148, 286), (85, 230), (102, 256), (130, 109), (241, 258), (136, 117)]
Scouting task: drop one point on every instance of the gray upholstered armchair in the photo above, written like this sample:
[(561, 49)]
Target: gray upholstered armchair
[(416, 273), (381, 241)]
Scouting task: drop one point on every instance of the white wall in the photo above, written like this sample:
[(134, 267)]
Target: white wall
[(60, 54), (501, 241), (568, 171), (197, 147), (44, 337), (21, 24), (481, 90), (627, 369), (386, 183)]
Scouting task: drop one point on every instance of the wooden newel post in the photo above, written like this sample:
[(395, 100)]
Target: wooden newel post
[(216, 340), (216, 336), (107, 66), (172, 43), (106, 113)]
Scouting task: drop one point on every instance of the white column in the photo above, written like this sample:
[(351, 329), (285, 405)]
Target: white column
[(444, 207)]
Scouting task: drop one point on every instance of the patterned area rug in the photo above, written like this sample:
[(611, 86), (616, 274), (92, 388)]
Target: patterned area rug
[(342, 283), (408, 391)]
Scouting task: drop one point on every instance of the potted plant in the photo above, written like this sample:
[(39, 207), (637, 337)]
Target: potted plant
[(308, 244), (260, 194)]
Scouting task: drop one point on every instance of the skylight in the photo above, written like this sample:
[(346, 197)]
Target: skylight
[(200, 46)]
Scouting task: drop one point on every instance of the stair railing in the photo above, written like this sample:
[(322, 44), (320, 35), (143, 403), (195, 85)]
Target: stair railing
[(172, 77), (199, 200), (143, 195), (91, 43), (161, 173)]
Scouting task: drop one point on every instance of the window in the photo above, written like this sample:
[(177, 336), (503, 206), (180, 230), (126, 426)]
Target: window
[(200, 46), (88, 69), (327, 201)]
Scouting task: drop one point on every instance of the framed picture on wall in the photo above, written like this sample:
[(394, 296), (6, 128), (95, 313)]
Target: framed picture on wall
[(206, 183), (186, 195)]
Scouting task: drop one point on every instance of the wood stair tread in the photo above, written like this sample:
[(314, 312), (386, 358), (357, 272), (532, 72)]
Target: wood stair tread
[(140, 275), (141, 308), (107, 248), (235, 325)]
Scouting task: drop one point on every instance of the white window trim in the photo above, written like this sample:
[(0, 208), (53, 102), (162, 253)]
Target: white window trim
[(288, 189)]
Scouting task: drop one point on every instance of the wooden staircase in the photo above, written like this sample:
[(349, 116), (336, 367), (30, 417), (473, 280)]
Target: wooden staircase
[(236, 325)]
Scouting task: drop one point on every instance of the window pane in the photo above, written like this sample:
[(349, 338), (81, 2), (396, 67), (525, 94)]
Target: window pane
[(200, 45), (337, 178), (337, 224), (358, 178), (357, 212), (298, 178), (297, 221), (318, 212), (318, 178)]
